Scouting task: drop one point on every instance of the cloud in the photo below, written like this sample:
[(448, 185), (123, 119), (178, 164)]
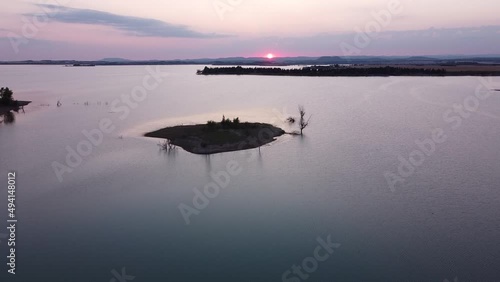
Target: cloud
[(451, 41), (133, 26)]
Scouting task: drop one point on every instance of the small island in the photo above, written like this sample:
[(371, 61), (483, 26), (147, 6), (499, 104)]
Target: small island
[(218, 137), (7, 102)]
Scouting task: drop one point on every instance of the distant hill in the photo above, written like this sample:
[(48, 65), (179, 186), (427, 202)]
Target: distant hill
[(284, 61), (420, 58), (115, 60)]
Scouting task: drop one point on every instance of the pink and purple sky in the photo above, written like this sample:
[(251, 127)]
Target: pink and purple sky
[(165, 29)]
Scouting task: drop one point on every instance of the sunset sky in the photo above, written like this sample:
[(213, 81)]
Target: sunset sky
[(164, 29)]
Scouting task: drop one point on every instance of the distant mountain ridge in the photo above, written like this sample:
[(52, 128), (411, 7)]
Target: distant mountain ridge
[(115, 60), (284, 61)]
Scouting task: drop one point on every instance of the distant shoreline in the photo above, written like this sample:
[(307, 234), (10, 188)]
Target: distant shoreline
[(430, 61), (358, 71)]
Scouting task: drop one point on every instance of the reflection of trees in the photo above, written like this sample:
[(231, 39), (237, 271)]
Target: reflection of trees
[(8, 118), (327, 71), (6, 96), (168, 148)]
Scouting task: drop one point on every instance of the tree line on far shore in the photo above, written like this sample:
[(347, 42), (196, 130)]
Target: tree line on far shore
[(326, 71)]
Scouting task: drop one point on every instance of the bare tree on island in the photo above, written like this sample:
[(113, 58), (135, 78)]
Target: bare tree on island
[(303, 123)]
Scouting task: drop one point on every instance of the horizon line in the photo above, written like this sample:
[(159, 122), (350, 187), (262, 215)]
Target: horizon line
[(262, 57)]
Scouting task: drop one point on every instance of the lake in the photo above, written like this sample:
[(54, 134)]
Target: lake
[(400, 174)]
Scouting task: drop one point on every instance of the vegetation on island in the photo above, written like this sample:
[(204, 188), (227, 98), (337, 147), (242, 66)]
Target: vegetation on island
[(8, 104), (217, 137), (6, 97), (7, 100), (334, 70)]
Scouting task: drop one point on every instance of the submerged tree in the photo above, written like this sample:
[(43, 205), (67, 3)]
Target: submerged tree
[(303, 123), (167, 145)]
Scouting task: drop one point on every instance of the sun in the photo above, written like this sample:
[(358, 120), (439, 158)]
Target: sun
[(270, 56)]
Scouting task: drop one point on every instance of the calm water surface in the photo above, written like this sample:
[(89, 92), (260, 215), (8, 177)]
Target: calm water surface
[(119, 207)]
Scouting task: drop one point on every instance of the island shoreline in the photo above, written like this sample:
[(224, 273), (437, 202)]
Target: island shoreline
[(16, 106), (203, 139)]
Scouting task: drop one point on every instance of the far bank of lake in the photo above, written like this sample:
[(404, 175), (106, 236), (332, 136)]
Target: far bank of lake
[(360, 70)]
